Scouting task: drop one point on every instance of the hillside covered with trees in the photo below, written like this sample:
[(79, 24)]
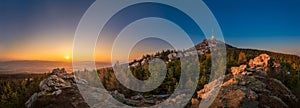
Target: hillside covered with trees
[(15, 89), (287, 72)]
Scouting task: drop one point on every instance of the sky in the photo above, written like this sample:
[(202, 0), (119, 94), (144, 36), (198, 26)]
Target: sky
[(261, 24), (44, 29)]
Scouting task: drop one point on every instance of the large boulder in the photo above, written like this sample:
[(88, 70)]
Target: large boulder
[(58, 90), (238, 70), (29, 103), (53, 83), (263, 62)]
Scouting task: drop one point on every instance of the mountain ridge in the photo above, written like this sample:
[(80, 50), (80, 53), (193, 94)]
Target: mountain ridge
[(245, 86)]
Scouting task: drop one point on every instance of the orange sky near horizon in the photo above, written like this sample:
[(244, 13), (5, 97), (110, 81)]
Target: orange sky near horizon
[(43, 49), (52, 49), (41, 46)]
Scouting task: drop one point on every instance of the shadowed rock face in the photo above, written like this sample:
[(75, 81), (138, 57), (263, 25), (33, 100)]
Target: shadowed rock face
[(249, 87)]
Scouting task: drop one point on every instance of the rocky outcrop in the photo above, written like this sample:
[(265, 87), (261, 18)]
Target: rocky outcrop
[(248, 87), (263, 62), (61, 90), (58, 90), (53, 83), (239, 70)]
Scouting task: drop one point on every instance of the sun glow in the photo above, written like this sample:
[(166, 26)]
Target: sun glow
[(67, 57)]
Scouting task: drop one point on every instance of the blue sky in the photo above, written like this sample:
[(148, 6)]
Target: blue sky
[(262, 24), (29, 27)]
